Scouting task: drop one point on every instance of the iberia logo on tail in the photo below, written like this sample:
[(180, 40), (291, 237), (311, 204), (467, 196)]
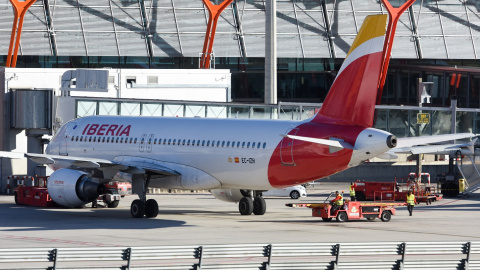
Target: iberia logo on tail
[(351, 97)]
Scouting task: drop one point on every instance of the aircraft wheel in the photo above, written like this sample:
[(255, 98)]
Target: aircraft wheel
[(259, 205), (137, 209), (342, 217), (151, 208), (386, 216), (245, 206)]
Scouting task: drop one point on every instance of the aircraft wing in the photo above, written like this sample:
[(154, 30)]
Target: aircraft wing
[(128, 164)]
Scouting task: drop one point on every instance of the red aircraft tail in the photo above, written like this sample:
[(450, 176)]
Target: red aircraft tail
[(352, 97)]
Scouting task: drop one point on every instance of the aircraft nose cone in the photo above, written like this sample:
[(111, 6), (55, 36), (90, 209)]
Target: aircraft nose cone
[(391, 141)]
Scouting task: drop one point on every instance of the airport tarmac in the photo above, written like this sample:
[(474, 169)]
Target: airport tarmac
[(200, 219)]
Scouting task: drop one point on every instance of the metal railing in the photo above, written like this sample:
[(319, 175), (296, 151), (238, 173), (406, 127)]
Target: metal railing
[(375, 255)]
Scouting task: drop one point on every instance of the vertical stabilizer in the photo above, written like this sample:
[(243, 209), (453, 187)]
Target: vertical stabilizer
[(353, 94)]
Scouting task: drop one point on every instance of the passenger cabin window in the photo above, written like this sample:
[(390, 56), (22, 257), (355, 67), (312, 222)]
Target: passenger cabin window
[(243, 145), (135, 141), (218, 143), (248, 145), (223, 144), (208, 143), (228, 144), (183, 142), (264, 145), (188, 142)]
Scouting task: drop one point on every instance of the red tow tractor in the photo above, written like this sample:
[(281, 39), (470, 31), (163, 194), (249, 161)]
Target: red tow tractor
[(351, 210)]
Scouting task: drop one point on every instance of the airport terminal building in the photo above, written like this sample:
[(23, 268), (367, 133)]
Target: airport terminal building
[(437, 41)]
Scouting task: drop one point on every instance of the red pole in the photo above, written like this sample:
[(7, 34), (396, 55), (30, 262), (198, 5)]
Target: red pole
[(19, 9), (394, 17), (214, 12)]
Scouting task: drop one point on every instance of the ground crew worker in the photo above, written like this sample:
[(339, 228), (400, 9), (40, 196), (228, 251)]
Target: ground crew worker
[(411, 201), (352, 191), (337, 202)]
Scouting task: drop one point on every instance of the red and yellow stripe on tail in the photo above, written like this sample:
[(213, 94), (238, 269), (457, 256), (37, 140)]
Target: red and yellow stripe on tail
[(352, 97)]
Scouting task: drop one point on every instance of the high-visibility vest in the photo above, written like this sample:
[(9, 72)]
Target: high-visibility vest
[(339, 201), (411, 199), (352, 191)]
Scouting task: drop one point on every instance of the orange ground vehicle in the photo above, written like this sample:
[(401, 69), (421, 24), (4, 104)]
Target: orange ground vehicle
[(351, 210)]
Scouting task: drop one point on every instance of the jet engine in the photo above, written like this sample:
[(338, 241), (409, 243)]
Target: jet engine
[(73, 188), (228, 195)]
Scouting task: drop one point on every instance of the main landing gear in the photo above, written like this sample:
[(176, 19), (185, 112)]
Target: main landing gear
[(252, 202), (143, 207)]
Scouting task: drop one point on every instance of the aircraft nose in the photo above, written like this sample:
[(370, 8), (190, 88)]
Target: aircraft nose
[(392, 141)]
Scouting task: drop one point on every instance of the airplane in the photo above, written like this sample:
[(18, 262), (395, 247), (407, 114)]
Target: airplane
[(237, 159)]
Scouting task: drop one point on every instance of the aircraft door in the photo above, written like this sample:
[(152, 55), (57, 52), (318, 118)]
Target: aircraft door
[(63, 144), (149, 143), (286, 149), (142, 143)]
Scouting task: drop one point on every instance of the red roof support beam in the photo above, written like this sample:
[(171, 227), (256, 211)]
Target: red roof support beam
[(394, 17), (214, 12), (19, 9)]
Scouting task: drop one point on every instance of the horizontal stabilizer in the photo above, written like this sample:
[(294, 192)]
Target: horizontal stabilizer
[(14, 155), (331, 142)]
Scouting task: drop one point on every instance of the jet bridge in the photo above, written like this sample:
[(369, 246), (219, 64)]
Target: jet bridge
[(468, 168), (463, 176)]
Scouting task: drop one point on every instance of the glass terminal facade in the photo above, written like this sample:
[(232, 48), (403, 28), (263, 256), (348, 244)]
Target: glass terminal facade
[(436, 40)]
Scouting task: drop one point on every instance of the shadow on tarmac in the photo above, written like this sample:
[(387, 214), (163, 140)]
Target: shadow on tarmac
[(27, 218)]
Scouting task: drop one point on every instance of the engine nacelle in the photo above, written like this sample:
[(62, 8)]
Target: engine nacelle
[(73, 188), (227, 195)]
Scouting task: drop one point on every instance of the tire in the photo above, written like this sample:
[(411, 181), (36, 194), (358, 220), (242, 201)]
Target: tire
[(137, 209), (94, 204), (386, 216), (245, 206), (259, 206), (113, 204), (16, 197), (151, 208), (327, 219), (295, 195), (342, 216)]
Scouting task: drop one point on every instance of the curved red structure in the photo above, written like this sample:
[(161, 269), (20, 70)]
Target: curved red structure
[(214, 12), (19, 9), (394, 17)]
